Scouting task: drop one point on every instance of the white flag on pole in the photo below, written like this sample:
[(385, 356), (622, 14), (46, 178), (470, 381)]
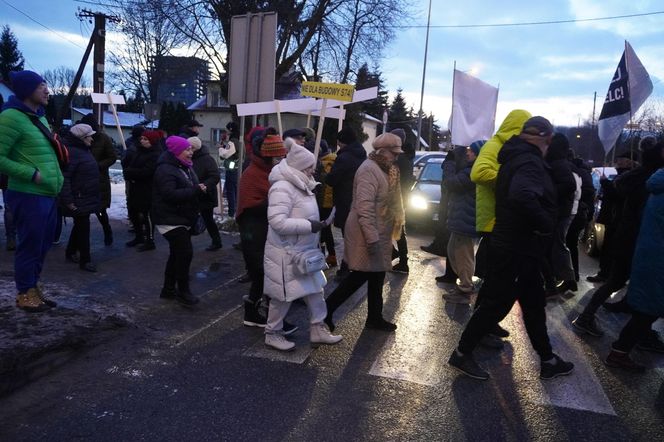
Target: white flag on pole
[(473, 109), (629, 89)]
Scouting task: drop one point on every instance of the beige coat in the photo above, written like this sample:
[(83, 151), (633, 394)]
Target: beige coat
[(365, 225)]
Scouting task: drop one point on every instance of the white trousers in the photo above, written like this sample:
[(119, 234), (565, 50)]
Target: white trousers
[(279, 309)]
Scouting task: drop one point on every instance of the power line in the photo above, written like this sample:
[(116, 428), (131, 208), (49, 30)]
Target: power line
[(43, 25), (532, 23)]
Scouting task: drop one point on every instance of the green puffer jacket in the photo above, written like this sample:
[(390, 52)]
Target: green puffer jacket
[(485, 169), (23, 148)]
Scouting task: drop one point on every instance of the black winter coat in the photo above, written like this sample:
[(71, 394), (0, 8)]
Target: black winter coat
[(563, 179), (587, 202), (81, 179), (139, 171), (406, 178), (207, 172), (526, 198), (104, 153), (341, 179), (175, 193)]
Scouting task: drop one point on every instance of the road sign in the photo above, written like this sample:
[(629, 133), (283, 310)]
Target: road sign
[(252, 58), (333, 91)]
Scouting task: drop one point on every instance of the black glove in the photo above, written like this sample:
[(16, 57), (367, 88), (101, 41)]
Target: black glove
[(316, 226)]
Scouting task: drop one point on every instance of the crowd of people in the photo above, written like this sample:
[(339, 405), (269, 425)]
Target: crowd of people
[(511, 214)]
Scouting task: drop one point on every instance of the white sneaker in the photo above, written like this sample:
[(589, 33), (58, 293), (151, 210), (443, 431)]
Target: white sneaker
[(320, 334), (279, 342)]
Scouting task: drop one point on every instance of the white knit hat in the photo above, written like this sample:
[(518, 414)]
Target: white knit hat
[(300, 158), (195, 142)]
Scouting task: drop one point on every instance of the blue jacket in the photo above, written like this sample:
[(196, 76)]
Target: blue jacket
[(81, 179), (646, 287), (461, 205)]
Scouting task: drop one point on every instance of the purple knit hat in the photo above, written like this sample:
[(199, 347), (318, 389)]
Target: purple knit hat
[(177, 145)]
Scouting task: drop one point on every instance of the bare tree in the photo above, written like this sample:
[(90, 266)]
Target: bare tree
[(61, 78)]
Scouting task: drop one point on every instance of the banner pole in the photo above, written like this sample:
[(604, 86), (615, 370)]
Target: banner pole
[(321, 122), (281, 129)]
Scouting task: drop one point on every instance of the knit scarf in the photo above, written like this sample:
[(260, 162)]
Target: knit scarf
[(394, 208)]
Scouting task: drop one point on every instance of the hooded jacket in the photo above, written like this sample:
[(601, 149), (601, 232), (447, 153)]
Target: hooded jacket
[(292, 204), (485, 170), (175, 193), (104, 152), (561, 172), (81, 179), (140, 171), (461, 205), (24, 149), (207, 172), (645, 293), (526, 206), (341, 178)]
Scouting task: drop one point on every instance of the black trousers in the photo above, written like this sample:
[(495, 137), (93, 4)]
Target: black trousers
[(634, 331), (482, 256), (606, 254), (512, 277), (351, 284), (253, 233), (618, 277), (180, 255), (402, 246), (210, 225), (79, 239), (142, 221), (326, 236), (572, 240)]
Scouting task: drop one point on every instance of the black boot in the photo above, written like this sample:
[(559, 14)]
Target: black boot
[(184, 295), (253, 317), (147, 245), (168, 291)]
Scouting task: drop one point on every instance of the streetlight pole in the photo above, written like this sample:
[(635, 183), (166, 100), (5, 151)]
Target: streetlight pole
[(424, 73)]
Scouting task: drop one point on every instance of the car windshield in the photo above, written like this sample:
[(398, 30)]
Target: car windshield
[(432, 172)]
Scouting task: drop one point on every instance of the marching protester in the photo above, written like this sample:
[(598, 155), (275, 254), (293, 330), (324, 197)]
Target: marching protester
[(461, 223), (645, 293), (525, 214), (230, 162), (584, 211), (191, 129), (207, 172), (293, 235), (104, 152), (268, 150), (32, 162), (375, 219), (441, 235), (406, 180), (631, 190), (175, 209), (559, 263), (325, 199), (79, 196), (350, 156), (139, 169)]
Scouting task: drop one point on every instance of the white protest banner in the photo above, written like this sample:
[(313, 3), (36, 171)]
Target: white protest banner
[(473, 109)]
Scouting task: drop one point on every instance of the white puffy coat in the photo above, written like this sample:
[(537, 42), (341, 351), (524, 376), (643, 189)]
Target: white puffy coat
[(291, 204)]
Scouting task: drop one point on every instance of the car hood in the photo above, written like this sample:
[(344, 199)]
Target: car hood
[(431, 191)]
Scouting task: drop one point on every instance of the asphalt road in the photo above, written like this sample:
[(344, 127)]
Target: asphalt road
[(199, 374)]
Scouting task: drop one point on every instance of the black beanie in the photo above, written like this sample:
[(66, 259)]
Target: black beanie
[(346, 136)]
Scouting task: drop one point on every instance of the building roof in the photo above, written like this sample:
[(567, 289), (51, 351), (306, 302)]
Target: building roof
[(201, 105), (127, 119)]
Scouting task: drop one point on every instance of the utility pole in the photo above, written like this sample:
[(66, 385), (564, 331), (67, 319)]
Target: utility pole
[(99, 55), (424, 73)]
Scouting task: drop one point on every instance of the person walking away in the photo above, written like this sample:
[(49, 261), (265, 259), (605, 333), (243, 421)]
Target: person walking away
[(350, 156), (406, 180), (104, 153), (175, 208), (559, 260), (461, 224), (30, 160), (126, 156), (325, 200), (375, 220), (10, 228), (631, 189), (645, 293), (442, 233), (207, 171), (525, 211), (251, 217), (294, 226), (79, 196), (140, 172), (584, 212), (230, 162)]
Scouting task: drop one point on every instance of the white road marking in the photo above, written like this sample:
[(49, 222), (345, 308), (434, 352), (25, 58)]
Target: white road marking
[(183, 340)]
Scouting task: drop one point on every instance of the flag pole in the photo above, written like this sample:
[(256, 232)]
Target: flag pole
[(629, 94), (452, 113)]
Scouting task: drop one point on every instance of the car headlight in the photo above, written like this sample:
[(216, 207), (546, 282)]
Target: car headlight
[(418, 202)]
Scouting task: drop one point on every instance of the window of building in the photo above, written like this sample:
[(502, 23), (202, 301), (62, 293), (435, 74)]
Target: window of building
[(216, 136)]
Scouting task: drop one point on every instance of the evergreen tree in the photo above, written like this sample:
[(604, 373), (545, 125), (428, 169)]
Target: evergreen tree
[(11, 58), (399, 116), (166, 116)]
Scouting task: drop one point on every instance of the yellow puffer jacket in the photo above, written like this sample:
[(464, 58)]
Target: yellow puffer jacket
[(485, 169)]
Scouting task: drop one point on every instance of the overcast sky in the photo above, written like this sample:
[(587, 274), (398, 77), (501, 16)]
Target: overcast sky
[(551, 70)]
